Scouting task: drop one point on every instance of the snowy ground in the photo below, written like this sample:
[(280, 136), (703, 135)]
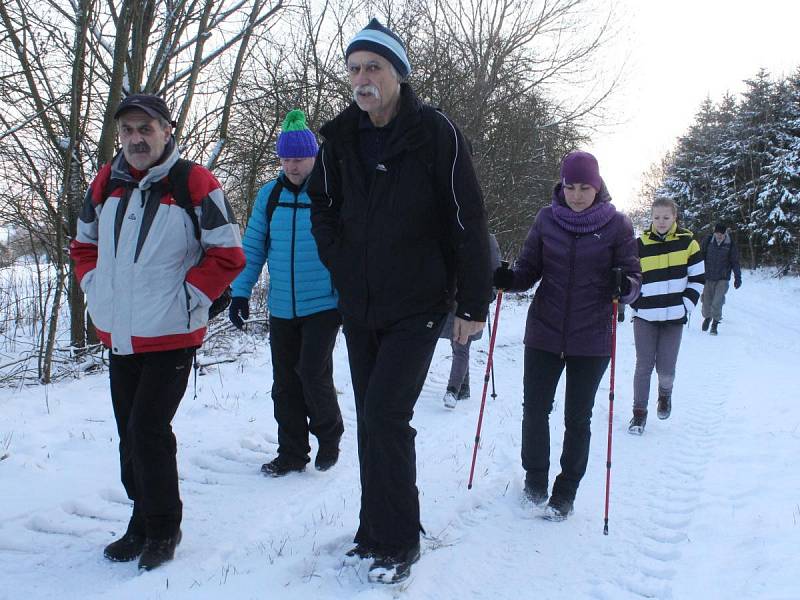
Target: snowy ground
[(704, 505)]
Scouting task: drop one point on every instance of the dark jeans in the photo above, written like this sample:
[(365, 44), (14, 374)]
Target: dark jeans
[(302, 388), (388, 367), (146, 390), (542, 372)]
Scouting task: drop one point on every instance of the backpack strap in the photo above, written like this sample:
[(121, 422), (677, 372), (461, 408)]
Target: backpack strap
[(272, 204), (178, 177)]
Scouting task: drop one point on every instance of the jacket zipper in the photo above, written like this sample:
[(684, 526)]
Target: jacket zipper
[(570, 282), (291, 270)]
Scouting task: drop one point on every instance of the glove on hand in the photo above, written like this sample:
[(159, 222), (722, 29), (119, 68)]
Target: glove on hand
[(620, 284), (737, 283), (503, 278), (239, 311), (621, 313)]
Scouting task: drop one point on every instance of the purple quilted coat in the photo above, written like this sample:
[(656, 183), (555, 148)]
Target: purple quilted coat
[(571, 255)]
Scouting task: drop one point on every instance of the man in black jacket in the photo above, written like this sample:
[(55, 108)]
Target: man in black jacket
[(399, 221), (721, 258)]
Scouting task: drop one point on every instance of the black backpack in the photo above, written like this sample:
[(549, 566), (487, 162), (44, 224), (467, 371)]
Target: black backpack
[(178, 178)]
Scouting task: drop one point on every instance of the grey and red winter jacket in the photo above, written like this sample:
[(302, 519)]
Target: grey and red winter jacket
[(148, 280)]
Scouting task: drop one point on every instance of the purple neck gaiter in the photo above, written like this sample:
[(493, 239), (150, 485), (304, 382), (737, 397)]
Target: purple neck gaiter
[(587, 221)]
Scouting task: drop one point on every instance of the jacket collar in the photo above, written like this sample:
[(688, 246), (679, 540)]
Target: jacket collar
[(121, 170)]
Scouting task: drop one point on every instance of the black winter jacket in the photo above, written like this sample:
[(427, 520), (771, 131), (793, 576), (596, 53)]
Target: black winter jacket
[(403, 245)]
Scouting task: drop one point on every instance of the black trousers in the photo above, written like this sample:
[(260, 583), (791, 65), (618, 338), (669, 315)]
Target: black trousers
[(146, 390), (388, 367), (302, 390), (542, 372)]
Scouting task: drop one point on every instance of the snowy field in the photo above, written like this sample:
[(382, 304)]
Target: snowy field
[(705, 505)]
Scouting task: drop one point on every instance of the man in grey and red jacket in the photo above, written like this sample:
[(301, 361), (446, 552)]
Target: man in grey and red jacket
[(149, 279)]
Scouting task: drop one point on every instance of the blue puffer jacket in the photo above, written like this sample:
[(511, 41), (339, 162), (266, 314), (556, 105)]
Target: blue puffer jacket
[(299, 285)]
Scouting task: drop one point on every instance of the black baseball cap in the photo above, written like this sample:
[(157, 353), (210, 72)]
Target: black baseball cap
[(152, 105)]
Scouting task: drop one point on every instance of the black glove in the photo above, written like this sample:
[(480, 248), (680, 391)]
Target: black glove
[(239, 311), (620, 284), (737, 283), (621, 313), (503, 277)]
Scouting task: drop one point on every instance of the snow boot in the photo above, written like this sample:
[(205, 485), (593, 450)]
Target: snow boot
[(450, 397), (714, 326), (536, 494), (128, 547), (157, 551), (558, 509), (327, 455), (636, 426), (393, 568), (664, 406), (362, 551), (463, 391), (282, 466), (706, 323)]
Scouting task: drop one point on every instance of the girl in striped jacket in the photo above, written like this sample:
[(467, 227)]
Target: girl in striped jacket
[(672, 281)]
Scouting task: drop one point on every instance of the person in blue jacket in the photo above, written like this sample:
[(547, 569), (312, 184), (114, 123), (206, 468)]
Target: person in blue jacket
[(303, 318)]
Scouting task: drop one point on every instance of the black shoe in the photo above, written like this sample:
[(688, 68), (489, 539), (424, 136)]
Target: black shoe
[(537, 495), (558, 509), (636, 426), (157, 551), (393, 568), (327, 455), (706, 323), (126, 548), (463, 391), (714, 326), (281, 466), (361, 551), (664, 406)]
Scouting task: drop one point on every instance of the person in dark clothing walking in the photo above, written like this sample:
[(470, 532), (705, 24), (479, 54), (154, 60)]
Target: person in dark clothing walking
[(399, 220), (571, 249), (303, 318), (150, 272), (721, 259)]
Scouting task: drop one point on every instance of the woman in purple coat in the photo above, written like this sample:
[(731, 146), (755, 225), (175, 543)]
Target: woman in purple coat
[(571, 249)]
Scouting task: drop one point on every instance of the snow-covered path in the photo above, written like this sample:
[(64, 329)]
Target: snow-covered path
[(704, 505)]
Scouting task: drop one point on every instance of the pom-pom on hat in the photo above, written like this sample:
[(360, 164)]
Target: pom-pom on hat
[(581, 167), (296, 139), (383, 41)]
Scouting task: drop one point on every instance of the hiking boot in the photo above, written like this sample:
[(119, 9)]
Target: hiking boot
[(126, 548), (393, 568), (558, 509), (636, 426), (714, 326), (450, 397), (362, 551), (706, 323), (327, 455), (282, 466), (157, 551), (537, 495), (664, 406), (463, 391)]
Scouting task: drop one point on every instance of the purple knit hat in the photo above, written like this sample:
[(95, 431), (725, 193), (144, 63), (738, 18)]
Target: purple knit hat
[(581, 167), (296, 139)]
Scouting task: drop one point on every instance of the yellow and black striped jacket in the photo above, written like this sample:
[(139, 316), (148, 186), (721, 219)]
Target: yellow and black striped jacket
[(672, 275)]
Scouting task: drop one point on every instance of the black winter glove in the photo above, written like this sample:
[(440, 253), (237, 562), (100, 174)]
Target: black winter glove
[(621, 313), (503, 277), (239, 311), (737, 283), (620, 284)]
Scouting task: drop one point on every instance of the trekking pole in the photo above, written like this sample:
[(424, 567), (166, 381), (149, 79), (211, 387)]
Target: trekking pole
[(489, 325), (486, 382), (614, 309)]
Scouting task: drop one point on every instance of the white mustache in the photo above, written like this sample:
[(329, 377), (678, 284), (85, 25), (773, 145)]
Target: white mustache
[(366, 90)]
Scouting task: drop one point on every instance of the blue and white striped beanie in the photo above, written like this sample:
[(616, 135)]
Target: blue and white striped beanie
[(381, 40)]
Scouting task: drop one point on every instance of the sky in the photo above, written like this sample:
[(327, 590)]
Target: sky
[(703, 506), (678, 53)]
